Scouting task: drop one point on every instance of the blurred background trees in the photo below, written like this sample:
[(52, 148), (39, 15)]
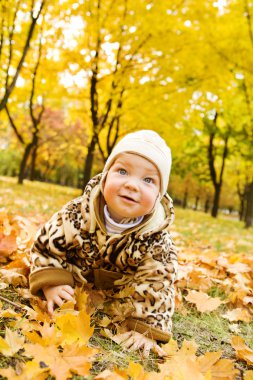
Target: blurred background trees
[(77, 75)]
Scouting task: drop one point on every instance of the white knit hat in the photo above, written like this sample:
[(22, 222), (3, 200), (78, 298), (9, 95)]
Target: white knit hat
[(149, 145)]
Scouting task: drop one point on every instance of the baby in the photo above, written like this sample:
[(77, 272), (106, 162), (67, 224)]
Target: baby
[(116, 236)]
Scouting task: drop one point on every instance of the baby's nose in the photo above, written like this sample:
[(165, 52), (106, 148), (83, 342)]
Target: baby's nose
[(132, 184)]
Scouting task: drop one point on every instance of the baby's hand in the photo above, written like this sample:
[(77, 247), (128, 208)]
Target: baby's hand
[(133, 340), (57, 295)]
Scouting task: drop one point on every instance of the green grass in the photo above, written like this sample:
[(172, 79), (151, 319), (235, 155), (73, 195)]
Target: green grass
[(33, 198), (192, 231), (220, 234)]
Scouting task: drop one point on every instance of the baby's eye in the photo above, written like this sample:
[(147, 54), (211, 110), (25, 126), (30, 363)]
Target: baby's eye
[(122, 171), (149, 180)]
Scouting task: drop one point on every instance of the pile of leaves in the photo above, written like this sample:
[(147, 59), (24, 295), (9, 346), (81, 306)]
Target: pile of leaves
[(76, 342)]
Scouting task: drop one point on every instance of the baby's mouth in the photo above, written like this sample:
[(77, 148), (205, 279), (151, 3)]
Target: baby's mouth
[(128, 198)]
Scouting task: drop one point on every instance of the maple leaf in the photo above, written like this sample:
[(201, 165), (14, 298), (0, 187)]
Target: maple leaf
[(13, 277), (12, 343), (248, 375), (238, 314), (8, 244), (49, 335), (242, 351), (29, 371), (203, 302), (75, 327), (224, 370), (73, 359), (208, 360), (136, 371), (109, 375)]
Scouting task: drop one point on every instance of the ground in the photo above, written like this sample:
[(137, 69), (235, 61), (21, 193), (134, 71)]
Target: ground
[(214, 301)]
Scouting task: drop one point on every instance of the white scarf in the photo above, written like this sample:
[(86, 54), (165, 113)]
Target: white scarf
[(113, 227)]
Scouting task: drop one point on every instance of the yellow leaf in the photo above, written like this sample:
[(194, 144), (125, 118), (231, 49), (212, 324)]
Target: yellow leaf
[(248, 375), (109, 375), (203, 302), (12, 343), (242, 351), (73, 359), (4, 347), (207, 361), (30, 371), (171, 347), (224, 370), (49, 335), (136, 371), (75, 327)]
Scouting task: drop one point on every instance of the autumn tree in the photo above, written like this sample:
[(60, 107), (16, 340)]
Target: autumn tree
[(12, 55)]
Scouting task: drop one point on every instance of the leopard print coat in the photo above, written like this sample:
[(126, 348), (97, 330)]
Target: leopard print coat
[(73, 247)]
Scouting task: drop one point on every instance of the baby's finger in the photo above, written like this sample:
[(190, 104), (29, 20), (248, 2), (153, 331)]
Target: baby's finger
[(128, 343), (66, 296), (121, 337), (146, 350), (50, 307), (68, 289), (159, 351), (58, 300)]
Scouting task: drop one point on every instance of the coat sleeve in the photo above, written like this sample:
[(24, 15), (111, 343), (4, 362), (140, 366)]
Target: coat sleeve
[(154, 295), (54, 246)]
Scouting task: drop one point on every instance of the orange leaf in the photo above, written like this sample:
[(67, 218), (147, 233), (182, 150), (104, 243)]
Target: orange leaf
[(248, 375), (208, 360), (224, 370), (30, 371), (242, 351), (203, 302), (238, 314), (73, 359)]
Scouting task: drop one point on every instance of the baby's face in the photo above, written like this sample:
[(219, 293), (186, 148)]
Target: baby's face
[(132, 186)]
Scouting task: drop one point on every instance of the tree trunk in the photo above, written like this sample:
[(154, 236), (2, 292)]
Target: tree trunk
[(23, 164), (207, 205), (196, 203), (216, 201), (89, 162), (185, 199), (33, 162), (249, 206)]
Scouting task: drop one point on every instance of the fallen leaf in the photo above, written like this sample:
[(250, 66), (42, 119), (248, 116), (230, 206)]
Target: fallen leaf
[(238, 314), (203, 302), (242, 351), (208, 360), (224, 370), (12, 343), (72, 359), (248, 375), (30, 371), (75, 327)]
